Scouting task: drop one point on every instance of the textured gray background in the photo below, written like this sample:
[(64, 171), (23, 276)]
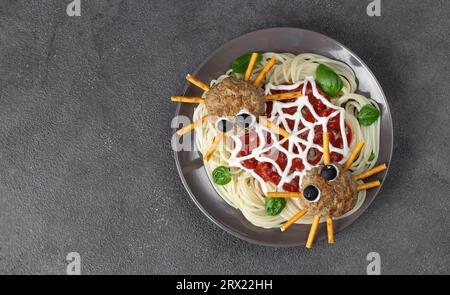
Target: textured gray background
[(85, 159)]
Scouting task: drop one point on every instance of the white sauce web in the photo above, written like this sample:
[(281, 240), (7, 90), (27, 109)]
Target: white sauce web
[(279, 118)]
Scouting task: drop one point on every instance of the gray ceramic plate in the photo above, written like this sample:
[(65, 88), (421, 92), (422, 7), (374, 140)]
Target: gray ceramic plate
[(190, 164)]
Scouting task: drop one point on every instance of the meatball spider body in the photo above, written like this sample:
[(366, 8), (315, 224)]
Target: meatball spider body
[(329, 190), (231, 96)]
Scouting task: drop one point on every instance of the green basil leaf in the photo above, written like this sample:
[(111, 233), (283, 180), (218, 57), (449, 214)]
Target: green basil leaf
[(274, 206), (240, 64), (368, 115), (328, 80), (372, 157), (221, 175)]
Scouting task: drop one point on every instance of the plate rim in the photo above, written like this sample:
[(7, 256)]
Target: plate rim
[(218, 222)]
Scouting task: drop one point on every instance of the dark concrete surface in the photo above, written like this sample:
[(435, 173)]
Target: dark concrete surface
[(85, 158)]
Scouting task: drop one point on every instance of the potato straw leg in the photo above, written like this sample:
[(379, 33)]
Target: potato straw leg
[(283, 96), (213, 146), (330, 230), (274, 127), (326, 148), (264, 72), (354, 154), (192, 126), (284, 195), (371, 172), (197, 82), (251, 65), (186, 99), (293, 219), (369, 185), (312, 232)]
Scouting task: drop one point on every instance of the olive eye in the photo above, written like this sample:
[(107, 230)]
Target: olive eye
[(311, 193), (224, 125), (245, 120), (329, 172)]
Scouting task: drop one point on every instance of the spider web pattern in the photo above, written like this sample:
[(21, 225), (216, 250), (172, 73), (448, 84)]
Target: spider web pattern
[(268, 145)]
